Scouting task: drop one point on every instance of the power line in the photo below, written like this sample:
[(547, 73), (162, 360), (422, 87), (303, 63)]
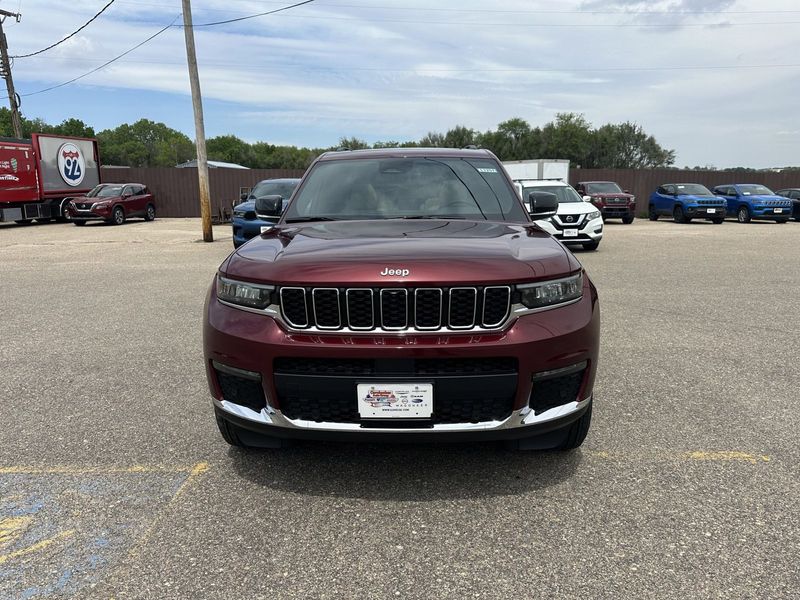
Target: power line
[(78, 30), (263, 14), (105, 64)]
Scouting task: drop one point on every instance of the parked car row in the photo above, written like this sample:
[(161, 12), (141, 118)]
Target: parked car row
[(744, 201)]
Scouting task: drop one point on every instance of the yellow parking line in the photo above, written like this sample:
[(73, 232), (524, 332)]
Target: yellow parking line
[(694, 455), (36, 547), (196, 471), (12, 528)]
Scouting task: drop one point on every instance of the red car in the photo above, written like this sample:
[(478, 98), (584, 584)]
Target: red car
[(113, 203), (609, 198), (404, 294)]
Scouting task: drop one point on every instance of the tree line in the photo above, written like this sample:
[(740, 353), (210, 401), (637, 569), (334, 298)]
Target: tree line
[(569, 136)]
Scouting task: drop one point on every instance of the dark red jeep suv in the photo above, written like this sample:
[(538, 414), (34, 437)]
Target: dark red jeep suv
[(404, 295)]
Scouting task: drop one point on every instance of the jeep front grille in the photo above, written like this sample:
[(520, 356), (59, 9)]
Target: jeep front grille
[(395, 308)]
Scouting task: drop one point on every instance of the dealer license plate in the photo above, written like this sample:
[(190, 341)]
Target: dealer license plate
[(570, 233), (778, 210), (395, 400), (711, 211)]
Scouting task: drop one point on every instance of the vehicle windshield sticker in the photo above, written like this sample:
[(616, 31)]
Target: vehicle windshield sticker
[(486, 170), (745, 193), (680, 187)]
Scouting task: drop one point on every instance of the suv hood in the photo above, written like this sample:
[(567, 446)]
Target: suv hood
[(765, 197), (693, 198), (434, 252)]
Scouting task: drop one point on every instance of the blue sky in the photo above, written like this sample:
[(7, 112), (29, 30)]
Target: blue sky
[(394, 70)]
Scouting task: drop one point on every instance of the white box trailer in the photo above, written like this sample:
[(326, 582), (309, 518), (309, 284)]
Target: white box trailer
[(539, 168)]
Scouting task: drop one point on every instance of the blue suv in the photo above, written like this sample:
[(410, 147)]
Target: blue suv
[(686, 201), (246, 225), (748, 201)]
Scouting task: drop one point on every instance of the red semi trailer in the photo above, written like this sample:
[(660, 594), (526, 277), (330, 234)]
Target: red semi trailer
[(39, 175)]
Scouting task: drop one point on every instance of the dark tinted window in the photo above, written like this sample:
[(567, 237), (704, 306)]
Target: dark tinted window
[(563, 193), (603, 187), (273, 188), (692, 189), (385, 188)]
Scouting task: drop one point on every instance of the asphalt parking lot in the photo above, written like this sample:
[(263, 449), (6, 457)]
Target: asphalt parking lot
[(114, 482)]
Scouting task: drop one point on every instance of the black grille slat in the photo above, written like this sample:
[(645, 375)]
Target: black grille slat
[(346, 367), (293, 305), (394, 308), (496, 303), (463, 306), (360, 308), (327, 314), (428, 308)]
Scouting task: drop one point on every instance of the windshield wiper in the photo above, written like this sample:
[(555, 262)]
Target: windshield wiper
[(434, 217), (308, 219)]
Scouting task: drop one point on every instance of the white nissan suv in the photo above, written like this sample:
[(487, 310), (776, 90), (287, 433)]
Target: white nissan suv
[(576, 222)]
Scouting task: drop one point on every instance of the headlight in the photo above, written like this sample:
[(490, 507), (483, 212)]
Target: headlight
[(595, 214), (238, 213), (547, 293), (244, 294), (99, 205)]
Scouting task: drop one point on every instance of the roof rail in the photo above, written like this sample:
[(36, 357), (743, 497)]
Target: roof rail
[(470, 147)]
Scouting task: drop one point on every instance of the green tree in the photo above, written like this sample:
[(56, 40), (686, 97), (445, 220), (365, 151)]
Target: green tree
[(514, 139), (432, 140), (569, 136), (73, 127), (460, 137), (352, 143), (627, 146), (229, 148), (145, 144)]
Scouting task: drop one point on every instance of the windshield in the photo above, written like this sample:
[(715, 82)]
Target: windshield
[(105, 191), (95, 190), (393, 188), (755, 190), (603, 187), (563, 193), (692, 189), (273, 188)]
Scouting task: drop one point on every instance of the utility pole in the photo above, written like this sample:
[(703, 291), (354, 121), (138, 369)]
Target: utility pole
[(5, 73), (197, 103)]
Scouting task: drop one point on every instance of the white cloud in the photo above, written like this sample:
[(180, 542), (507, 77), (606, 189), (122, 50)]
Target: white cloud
[(352, 68)]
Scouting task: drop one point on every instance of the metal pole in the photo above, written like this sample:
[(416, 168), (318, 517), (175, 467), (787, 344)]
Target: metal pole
[(197, 103), (5, 72)]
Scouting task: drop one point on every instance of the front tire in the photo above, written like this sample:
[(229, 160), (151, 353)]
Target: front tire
[(652, 214), (717, 221), (678, 215), (627, 220), (590, 245), (743, 214), (80, 223), (118, 216)]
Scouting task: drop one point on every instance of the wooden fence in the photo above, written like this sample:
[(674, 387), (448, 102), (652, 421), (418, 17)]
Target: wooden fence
[(176, 190), (643, 182)]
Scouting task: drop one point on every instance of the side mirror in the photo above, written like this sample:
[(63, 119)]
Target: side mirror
[(269, 206), (587, 198), (543, 204), (243, 197), (626, 191)]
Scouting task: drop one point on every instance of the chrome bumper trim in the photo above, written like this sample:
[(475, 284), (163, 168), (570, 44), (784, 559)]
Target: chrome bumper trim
[(524, 417)]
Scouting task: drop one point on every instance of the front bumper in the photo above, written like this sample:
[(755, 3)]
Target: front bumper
[(705, 212), (617, 211), (771, 214), (247, 229), (591, 231), (539, 343), (74, 214)]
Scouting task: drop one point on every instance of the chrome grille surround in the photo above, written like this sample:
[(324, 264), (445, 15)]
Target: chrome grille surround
[(397, 310)]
